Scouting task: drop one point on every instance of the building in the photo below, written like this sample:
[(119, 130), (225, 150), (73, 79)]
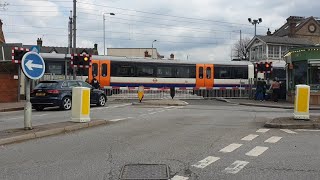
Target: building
[(303, 67), (134, 52)]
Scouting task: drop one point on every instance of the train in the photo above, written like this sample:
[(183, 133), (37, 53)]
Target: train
[(160, 73)]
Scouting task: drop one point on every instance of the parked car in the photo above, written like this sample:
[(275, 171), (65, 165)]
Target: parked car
[(59, 93)]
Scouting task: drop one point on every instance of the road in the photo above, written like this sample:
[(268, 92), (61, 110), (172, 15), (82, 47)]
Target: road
[(204, 140)]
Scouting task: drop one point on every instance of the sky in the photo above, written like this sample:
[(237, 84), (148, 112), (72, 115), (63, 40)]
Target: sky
[(192, 30)]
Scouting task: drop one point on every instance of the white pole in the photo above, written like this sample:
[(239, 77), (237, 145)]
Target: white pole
[(27, 108)]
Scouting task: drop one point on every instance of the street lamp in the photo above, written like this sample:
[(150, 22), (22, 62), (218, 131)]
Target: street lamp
[(255, 22), (152, 48), (104, 31)]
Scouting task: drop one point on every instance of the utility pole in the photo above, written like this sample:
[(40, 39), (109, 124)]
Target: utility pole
[(69, 43), (74, 34)]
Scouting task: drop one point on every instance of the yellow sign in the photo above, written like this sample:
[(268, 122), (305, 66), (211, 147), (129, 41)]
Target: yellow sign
[(85, 102)]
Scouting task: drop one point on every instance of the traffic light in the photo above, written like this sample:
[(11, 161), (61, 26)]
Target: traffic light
[(260, 67), (268, 67), (81, 60), (18, 53)]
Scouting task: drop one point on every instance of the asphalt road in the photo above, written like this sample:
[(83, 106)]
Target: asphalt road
[(204, 140)]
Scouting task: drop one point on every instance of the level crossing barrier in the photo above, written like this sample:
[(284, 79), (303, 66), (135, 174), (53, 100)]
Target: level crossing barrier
[(180, 93)]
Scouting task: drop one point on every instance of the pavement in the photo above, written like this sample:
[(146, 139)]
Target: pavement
[(14, 106), (282, 122), (161, 102)]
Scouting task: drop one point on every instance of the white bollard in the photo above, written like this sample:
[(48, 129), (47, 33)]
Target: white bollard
[(301, 102), (80, 104)]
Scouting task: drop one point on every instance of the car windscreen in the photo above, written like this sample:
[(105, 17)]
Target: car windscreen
[(47, 85)]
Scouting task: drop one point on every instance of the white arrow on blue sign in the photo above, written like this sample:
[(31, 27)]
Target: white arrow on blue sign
[(33, 65)]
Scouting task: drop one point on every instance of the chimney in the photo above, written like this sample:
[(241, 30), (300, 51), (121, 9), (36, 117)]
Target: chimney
[(2, 40), (171, 56), (95, 47), (39, 42), (269, 32), (292, 23), (146, 54)]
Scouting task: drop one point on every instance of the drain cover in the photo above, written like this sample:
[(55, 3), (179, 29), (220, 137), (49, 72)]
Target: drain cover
[(145, 171)]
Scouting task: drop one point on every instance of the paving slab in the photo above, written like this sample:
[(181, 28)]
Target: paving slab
[(291, 123)]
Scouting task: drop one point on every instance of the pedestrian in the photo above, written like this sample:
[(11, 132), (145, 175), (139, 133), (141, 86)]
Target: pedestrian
[(95, 83), (275, 87), (264, 89), (259, 90)]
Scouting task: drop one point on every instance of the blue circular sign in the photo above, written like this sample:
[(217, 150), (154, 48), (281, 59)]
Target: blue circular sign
[(33, 65)]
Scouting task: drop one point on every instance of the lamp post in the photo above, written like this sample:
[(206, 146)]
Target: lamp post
[(255, 22), (104, 31), (152, 48)]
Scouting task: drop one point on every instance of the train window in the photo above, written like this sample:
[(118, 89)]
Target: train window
[(164, 72), (208, 72), (200, 72), (240, 72), (94, 69), (122, 70), (145, 71), (183, 72), (104, 70), (222, 72)]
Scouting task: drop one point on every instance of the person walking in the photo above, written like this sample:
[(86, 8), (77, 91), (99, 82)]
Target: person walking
[(275, 86)]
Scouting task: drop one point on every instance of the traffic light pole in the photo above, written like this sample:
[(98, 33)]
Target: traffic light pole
[(27, 107)]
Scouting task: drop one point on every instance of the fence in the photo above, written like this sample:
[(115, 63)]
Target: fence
[(180, 93)]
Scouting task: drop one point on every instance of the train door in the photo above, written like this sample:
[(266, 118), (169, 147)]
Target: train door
[(104, 73), (101, 70), (204, 75), (200, 75)]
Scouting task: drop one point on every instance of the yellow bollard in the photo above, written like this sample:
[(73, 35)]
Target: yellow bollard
[(301, 102), (80, 104), (140, 93)]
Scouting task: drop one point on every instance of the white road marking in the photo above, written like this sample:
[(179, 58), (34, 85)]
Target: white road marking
[(309, 130), (152, 113), (258, 150), (115, 120), (288, 131), (235, 167), (179, 178), (230, 148), (205, 162), (150, 110), (161, 111), (262, 130), (273, 139), (250, 137)]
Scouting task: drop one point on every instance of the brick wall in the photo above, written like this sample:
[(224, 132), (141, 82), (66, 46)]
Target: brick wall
[(8, 88)]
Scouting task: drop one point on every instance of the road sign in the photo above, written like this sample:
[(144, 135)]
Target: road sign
[(35, 49), (33, 65)]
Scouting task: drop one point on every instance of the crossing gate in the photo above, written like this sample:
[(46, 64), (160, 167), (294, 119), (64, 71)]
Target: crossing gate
[(180, 93)]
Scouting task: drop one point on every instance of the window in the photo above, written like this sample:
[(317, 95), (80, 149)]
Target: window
[(200, 72), (94, 69), (122, 70), (208, 72), (73, 84), (276, 51), (164, 72), (229, 72), (300, 72), (283, 50), (182, 72), (55, 68), (104, 70), (270, 51), (314, 77), (84, 84), (145, 71)]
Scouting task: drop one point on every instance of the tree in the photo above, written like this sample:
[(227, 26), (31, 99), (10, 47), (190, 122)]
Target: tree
[(239, 50)]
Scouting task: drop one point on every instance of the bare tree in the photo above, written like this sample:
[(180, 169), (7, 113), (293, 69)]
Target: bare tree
[(239, 50)]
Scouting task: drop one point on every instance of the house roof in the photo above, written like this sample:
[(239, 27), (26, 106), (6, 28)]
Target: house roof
[(284, 30), (282, 40), (285, 40), (64, 50)]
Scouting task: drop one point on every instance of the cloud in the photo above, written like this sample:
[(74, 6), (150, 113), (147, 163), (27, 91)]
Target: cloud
[(202, 30)]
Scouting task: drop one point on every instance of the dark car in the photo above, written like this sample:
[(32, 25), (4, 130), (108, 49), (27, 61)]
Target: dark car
[(59, 93)]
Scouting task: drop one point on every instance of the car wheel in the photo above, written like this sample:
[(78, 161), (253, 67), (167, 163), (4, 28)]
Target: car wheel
[(38, 108), (102, 100), (66, 103)]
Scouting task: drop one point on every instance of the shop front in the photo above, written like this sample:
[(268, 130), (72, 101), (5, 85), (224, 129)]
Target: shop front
[(303, 67)]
